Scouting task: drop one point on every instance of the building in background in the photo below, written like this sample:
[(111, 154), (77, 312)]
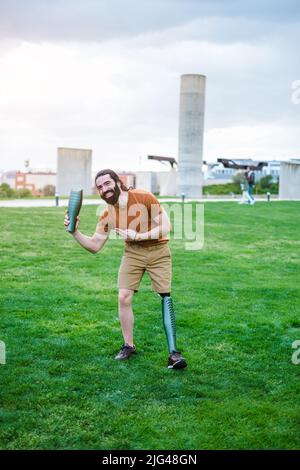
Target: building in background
[(146, 180), (191, 130), (162, 183), (9, 177), (289, 182), (35, 181), (74, 171), (272, 168), (216, 173), (224, 170)]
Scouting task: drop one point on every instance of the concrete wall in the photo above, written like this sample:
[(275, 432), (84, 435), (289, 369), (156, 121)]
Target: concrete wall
[(146, 180), (289, 183), (74, 171), (167, 182), (191, 127), (162, 182), (40, 180)]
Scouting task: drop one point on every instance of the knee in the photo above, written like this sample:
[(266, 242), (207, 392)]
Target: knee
[(125, 298), (168, 294)]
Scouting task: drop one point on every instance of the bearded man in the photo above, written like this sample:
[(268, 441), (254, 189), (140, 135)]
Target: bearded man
[(138, 217)]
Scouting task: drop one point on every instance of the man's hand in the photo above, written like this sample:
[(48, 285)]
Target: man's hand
[(127, 234), (67, 221)]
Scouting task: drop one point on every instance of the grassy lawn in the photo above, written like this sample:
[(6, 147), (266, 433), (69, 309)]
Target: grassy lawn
[(237, 309)]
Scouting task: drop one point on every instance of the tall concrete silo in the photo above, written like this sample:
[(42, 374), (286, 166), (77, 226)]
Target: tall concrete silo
[(191, 126), (74, 170)]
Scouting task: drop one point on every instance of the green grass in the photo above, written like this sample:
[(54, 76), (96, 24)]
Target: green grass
[(235, 188), (237, 309)]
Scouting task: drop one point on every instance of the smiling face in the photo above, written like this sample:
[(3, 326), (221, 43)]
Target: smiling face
[(108, 189)]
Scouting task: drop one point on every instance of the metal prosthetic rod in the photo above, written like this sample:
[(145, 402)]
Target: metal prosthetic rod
[(169, 322), (74, 207)]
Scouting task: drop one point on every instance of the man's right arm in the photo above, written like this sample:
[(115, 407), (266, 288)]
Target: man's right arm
[(92, 244)]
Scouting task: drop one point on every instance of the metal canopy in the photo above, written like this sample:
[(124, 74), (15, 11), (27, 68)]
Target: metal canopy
[(171, 160), (242, 164)]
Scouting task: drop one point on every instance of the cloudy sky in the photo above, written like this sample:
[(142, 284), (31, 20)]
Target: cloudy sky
[(105, 74)]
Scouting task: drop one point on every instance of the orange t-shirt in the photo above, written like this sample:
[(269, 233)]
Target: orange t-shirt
[(142, 207)]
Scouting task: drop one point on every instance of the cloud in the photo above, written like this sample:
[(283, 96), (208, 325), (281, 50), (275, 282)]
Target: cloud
[(95, 75), (101, 20), (266, 142)]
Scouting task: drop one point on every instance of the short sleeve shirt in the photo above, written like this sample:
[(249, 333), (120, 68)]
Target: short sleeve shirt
[(139, 214)]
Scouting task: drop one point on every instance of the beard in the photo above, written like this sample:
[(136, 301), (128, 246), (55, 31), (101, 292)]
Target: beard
[(113, 195)]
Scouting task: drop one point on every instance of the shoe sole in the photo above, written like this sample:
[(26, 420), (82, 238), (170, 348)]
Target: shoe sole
[(181, 364), (124, 358)]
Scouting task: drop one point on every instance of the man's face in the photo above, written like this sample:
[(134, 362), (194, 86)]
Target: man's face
[(108, 189)]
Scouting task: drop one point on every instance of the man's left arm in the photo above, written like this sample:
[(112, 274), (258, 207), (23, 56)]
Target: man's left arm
[(162, 228)]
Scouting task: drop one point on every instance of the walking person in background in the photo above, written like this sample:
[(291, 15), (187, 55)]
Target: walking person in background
[(243, 185), (137, 216), (250, 178)]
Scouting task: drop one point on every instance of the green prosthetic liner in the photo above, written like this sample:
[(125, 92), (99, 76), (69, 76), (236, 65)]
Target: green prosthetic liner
[(169, 322), (74, 207)]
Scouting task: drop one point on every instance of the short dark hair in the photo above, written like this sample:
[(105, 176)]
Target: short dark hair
[(113, 175)]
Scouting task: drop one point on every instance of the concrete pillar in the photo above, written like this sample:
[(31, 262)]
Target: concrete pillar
[(191, 126)]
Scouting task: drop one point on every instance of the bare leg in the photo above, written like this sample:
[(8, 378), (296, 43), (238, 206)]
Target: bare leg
[(126, 314)]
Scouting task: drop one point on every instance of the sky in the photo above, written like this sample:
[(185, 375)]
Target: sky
[(105, 75)]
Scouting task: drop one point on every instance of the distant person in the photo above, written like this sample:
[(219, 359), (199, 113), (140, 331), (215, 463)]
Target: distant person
[(250, 178)]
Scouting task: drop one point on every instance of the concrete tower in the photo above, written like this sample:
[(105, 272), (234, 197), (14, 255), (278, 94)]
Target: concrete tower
[(191, 126), (74, 171)]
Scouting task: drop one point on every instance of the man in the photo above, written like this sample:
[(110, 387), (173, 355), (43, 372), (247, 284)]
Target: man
[(139, 219), (249, 175)]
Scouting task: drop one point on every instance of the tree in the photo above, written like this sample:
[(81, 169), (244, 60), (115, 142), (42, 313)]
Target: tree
[(6, 191), (239, 177), (24, 193), (49, 190), (266, 182)]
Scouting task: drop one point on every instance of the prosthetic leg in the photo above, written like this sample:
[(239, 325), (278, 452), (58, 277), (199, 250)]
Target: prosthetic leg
[(169, 320), (176, 361)]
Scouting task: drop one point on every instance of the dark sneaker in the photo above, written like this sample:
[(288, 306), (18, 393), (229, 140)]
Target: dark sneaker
[(125, 352), (176, 361)]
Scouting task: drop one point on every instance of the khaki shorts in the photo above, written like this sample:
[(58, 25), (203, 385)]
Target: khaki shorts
[(155, 260)]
